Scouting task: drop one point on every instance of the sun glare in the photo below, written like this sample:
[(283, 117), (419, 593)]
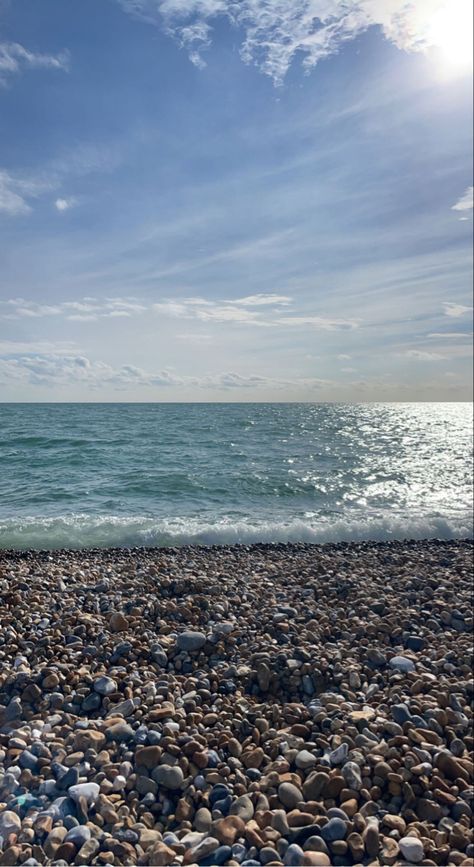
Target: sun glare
[(450, 31)]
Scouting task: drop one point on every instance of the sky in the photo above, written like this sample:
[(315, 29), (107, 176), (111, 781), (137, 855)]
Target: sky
[(205, 200)]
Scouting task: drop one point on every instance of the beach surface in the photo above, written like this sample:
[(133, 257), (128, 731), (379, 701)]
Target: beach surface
[(262, 704)]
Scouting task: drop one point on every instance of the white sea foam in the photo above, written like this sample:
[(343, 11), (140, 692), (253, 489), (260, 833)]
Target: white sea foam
[(81, 531)]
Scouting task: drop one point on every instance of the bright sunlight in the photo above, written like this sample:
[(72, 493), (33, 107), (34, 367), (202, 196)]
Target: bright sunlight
[(451, 31)]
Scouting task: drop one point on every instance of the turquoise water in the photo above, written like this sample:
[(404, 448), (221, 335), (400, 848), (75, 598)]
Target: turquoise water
[(75, 475)]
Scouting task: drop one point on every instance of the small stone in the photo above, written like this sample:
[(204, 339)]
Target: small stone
[(352, 776), (202, 820), (293, 856), (87, 851), (120, 731), (89, 791), (315, 859), (118, 622), (428, 810), (305, 760), (169, 776), (315, 785), (402, 663), (336, 829), (289, 795), (89, 739), (411, 849), (105, 685), (10, 823), (243, 807), (149, 757), (190, 641), (78, 835)]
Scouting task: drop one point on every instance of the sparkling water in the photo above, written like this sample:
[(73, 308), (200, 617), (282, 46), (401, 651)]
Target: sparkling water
[(76, 475)]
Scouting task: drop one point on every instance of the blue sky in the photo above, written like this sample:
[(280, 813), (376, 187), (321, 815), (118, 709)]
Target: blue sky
[(204, 201)]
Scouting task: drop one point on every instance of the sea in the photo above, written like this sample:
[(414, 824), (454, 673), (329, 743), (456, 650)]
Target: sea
[(124, 475)]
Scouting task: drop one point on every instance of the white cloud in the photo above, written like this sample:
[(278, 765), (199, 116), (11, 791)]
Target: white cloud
[(466, 202), (254, 310), (343, 357), (65, 204), (11, 201), (275, 31), (14, 58), (455, 310), (85, 310), (320, 323), (15, 191), (451, 335), (262, 299), (421, 355), (43, 369)]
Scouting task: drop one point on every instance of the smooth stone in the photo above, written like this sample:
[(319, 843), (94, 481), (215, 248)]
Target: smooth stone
[(415, 642), (411, 849), (243, 807), (105, 685), (289, 795), (401, 713), (190, 641), (28, 760), (305, 760), (10, 823), (339, 755), (268, 854), (89, 791), (314, 785), (202, 820), (336, 829), (120, 731), (78, 835), (352, 775), (168, 776), (126, 708), (203, 849), (87, 851), (401, 663), (293, 856), (218, 856)]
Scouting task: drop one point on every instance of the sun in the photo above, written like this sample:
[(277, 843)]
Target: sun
[(450, 31)]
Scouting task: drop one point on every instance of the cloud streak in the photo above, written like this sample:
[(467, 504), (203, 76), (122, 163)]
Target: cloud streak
[(261, 310), (276, 31), (15, 58), (466, 202), (455, 310)]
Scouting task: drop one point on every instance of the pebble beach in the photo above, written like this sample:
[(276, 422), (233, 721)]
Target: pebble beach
[(286, 704)]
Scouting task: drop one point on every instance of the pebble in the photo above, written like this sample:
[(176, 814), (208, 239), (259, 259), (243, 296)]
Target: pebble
[(268, 704), (191, 641), (411, 849)]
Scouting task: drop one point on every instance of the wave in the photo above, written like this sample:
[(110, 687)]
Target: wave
[(77, 531)]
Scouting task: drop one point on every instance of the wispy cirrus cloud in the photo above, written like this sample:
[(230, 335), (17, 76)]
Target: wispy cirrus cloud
[(86, 310), (15, 58), (17, 192), (455, 310), (466, 202), (275, 31), (262, 310), (422, 355)]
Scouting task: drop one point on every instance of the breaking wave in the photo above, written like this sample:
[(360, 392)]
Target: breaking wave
[(78, 531)]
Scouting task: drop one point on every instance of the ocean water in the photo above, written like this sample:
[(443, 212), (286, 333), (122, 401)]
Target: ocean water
[(83, 475)]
